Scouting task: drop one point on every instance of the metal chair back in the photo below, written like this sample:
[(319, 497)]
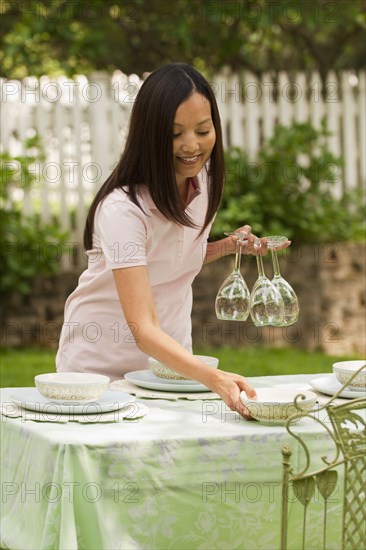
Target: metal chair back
[(346, 427)]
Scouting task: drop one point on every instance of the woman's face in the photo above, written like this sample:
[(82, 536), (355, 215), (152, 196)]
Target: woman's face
[(194, 137)]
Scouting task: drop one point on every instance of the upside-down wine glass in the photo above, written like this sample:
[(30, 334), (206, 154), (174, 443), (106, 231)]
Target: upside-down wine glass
[(288, 295), (266, 304), (233, 298)]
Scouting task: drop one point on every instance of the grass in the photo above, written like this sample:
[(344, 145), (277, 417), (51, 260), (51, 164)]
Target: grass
[(256, 361), (19, 366)]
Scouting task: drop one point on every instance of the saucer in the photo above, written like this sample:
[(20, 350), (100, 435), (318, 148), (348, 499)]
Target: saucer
[(329, 385), (31, 399), (146, 379)]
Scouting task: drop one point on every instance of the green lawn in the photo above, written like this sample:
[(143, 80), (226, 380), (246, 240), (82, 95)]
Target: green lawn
[(19, 366)]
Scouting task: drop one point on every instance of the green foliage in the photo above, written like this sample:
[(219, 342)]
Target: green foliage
[(289, 190), (28, 246), (43, 37)]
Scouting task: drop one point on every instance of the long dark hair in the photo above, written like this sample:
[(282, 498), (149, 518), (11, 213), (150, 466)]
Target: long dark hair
[(147, 158)]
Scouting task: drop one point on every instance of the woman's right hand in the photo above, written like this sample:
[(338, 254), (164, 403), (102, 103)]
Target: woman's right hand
[(228, 386)]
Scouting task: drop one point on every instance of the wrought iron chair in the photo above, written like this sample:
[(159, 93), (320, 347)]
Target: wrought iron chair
[(346, 426)]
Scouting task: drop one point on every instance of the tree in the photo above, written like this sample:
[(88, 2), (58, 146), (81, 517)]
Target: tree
[(78, 36)]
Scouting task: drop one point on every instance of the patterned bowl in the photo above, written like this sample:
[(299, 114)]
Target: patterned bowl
[(345, 369), (161, 371), (72, 386), (277, 404)]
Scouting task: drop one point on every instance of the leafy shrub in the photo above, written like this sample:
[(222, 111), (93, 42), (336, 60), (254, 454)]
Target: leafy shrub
[(27, 245), (288, 190)]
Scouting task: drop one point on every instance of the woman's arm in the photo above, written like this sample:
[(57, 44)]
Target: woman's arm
[(138, 306)]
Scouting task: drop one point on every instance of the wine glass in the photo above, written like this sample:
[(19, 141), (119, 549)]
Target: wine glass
[(287, 292), (233, 298), (266, 304)]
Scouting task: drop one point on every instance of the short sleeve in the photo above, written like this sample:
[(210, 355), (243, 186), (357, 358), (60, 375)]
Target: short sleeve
[(120, 232)]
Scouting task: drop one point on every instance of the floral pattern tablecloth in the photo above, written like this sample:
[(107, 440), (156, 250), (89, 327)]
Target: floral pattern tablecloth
[(189, 475)]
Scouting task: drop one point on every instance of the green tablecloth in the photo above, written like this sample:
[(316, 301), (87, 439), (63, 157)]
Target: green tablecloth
[(191, 474)]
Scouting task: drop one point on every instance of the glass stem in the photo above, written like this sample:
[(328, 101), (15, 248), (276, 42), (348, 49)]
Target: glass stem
[(276, 267), (237, 257), (260, 265)]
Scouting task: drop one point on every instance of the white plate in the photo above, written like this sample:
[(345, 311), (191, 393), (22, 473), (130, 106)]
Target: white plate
[(276, 405), (31, 399), (276, 396), (330, 385), (146, 379), (172, 381)]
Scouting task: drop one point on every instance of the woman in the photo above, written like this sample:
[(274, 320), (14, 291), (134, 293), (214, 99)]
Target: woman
[(146, 240)]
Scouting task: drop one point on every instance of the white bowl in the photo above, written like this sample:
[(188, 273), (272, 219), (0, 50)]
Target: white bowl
[(343, 371), (277, 404), (72, 386), (161, 371)]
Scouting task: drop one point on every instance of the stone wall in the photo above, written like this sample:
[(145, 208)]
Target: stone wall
[(328, 279), (36, 320)]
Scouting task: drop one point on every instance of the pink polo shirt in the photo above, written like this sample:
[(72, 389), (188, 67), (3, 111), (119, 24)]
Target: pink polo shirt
[(95, 336)]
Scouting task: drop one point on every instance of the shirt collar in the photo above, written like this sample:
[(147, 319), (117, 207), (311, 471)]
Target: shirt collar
[(194, 190)]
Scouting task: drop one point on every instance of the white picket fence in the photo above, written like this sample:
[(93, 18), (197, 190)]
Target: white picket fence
[(82, 125)]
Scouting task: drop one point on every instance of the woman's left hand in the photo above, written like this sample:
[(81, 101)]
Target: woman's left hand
[(250, 245)]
